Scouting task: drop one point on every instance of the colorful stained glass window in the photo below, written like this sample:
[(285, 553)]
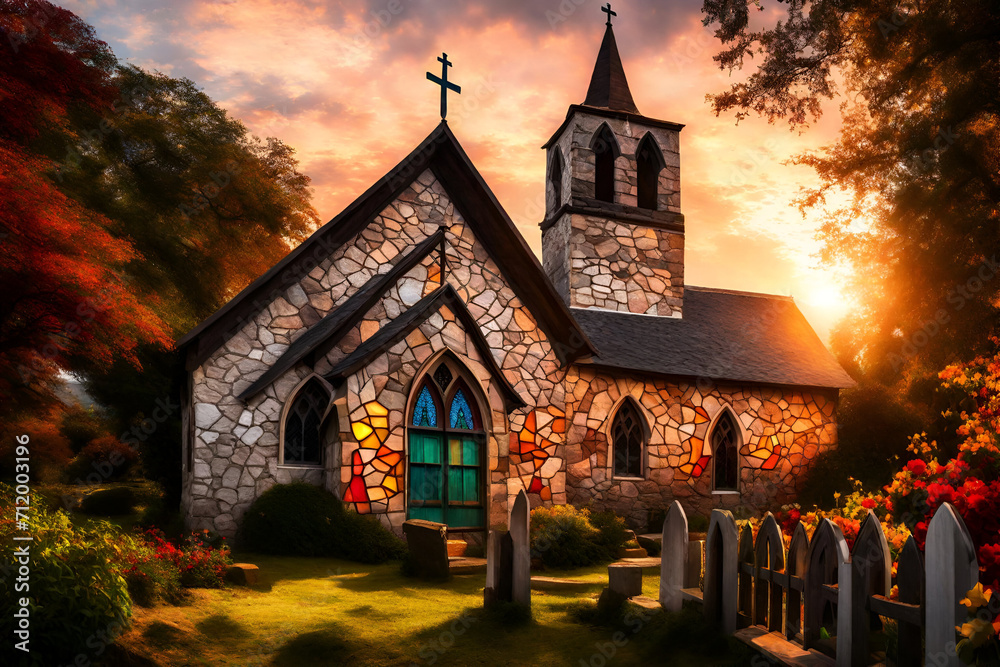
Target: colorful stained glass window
[(726, 453), (425, 411), (461, 412), (628, 439)]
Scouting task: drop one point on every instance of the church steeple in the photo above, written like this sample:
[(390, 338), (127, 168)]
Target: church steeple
[(613, 233), (608, 85)]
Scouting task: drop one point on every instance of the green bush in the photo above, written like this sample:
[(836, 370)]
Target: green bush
[(565, 537), (365, 540), (299, 519), (115, 501), (80, 602), (611, 533)]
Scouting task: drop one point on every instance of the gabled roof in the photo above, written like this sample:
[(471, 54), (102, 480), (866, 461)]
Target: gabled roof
[(322, 336), (441, 153), (723, 335), (608, 85), (399, 328)]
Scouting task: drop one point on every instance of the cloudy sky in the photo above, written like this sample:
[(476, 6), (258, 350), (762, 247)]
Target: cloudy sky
[(343, 83)]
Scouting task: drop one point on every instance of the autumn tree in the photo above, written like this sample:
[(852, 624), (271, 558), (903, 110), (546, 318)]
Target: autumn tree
[(918, 156)]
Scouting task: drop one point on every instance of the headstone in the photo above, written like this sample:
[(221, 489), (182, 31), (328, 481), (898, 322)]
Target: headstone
[(499, 568), (428, 546), (242, 574), (625, 578), (674, 556), (952, 570), (519, 522)]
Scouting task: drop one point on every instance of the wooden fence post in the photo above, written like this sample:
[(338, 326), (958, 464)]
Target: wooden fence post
[(910, 580), (795, 568), (769, 554), (674, 557), (952, 570), (720, 571), (868, 573), (744, 579), (827, 550)]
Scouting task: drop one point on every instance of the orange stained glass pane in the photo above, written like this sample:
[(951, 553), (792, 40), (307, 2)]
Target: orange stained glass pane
[(392, 458), (381, 465), (379, 422), (382, 434), (687, 468), (529, 422), (559, 425), (371, 442), (700, 416), (376, 493), (375, 408), (545, 493), (363, 508)]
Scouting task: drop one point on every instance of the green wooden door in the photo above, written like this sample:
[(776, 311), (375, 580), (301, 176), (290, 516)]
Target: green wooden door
[(446, 478)]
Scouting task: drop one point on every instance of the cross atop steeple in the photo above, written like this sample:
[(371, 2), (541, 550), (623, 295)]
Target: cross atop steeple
[(445, 84), (607, 10)]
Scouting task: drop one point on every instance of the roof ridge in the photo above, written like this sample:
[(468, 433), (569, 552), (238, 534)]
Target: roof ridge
[(734, 292)]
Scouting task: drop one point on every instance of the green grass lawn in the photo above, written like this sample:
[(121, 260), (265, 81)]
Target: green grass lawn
[(314, 611)]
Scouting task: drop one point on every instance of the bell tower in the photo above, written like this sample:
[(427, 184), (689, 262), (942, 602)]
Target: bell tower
[(613, 234)]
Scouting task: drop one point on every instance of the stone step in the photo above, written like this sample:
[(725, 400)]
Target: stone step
[(774, 646), (467, 565)]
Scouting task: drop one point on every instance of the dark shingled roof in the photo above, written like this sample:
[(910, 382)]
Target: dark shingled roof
[(724, 335), (400, 328), (608, 85)]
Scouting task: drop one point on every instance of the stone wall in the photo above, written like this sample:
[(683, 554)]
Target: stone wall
[(782, 430)]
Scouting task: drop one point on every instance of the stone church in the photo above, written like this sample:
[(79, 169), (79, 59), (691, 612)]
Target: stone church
[(415, 358)]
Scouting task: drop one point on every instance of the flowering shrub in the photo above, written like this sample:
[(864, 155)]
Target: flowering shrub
[(156, 568), (565, 537)]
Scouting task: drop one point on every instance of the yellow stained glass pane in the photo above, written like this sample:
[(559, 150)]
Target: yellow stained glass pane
[(455, 451), (391, 484), (371, 442), (379, 422), (761, 454), (361, 430)]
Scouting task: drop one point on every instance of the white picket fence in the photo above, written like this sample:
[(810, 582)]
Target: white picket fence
[(820, 584)]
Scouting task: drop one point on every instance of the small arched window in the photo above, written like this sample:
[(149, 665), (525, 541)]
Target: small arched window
[(303, 424), (725, 452), (628, 439), (649, 161), (555, 179), (606, 151)]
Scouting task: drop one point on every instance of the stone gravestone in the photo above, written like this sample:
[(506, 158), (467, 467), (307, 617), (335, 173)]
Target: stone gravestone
[(674, 557), (499, 568), (508, 558), (427, 542), (520, 521), (625, 579)]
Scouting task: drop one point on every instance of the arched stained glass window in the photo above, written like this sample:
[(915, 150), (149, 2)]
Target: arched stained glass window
[(425, 410), (302, 425), (447, 454), (628, 440), (725, 450), (461, 412)]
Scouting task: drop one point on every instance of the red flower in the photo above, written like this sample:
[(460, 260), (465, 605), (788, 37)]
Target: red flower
[(869, 503), (917, 467)]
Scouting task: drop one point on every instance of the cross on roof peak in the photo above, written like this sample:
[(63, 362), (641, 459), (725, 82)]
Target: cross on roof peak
[(445, 84), (607, 10)]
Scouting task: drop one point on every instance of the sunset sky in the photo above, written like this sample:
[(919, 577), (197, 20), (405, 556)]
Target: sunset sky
[(343, 83)]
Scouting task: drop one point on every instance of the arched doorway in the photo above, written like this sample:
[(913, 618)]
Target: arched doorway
[(447, 450)]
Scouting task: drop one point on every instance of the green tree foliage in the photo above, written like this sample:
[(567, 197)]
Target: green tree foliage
[(918, 155)]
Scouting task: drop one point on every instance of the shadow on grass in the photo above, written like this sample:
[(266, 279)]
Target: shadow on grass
[(325, 646), (222, 627), (164, 635)]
